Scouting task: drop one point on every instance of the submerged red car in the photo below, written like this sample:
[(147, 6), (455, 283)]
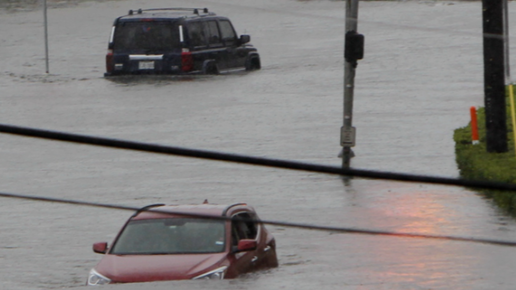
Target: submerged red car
[(169, 245)]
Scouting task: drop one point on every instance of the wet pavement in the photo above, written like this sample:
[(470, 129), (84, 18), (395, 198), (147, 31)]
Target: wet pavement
[(421, 72)]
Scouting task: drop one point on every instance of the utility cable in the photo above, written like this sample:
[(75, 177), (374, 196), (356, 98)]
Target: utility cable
[(243, 159), (269, 222)]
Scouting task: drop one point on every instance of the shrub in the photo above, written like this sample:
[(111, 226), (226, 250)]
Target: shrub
[(476, 163)]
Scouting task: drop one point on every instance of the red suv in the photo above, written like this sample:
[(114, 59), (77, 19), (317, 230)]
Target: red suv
[(161, 242)]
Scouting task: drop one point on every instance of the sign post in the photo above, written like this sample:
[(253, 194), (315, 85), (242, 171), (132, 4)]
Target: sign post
[(353, 51), (46, 34)]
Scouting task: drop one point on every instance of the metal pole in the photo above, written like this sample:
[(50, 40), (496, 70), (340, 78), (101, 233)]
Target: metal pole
[(46, 34), (513, 114), (347, 131), (506, 39), (494, 75), (508, 79)]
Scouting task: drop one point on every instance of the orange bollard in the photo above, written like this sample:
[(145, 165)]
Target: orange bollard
[(474, 126)]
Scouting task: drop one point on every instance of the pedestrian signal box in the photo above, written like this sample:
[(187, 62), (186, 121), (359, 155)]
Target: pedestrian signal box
[(354, 46)]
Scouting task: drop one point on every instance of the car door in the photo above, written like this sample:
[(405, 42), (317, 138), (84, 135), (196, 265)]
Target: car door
[(237, 53), (216, 47), (257, 232), (197, 42), (244, 261)]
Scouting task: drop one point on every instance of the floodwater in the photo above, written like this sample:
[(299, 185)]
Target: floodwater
[(421, 72)]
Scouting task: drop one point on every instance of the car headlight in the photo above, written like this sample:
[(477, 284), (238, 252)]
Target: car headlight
[(95, 279), (217, 274)]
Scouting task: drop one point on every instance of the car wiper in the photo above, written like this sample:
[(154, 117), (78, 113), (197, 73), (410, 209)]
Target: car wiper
[(140, 253)]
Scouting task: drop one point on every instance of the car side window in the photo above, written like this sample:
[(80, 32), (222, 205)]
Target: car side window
[(212, 31), (227, 32), (197, 34), (242, 229)]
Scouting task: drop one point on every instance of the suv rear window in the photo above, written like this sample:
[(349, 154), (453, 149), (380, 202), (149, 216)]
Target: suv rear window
[(213, 33), (146, 37), (197, 36), (204, 33)]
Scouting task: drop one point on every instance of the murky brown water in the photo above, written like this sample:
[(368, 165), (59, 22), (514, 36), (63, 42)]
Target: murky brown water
[(422, 71)]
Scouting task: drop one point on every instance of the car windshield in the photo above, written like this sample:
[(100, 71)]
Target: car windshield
[(171, 236), (146, 37)]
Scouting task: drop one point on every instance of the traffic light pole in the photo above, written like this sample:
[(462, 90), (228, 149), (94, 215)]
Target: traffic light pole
[(353, 51)]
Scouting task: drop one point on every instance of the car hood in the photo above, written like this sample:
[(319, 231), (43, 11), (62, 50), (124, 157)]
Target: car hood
[(144, 268)]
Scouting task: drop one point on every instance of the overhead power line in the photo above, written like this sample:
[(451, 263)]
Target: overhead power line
[(185, 152), (243, 159), (269, 222)]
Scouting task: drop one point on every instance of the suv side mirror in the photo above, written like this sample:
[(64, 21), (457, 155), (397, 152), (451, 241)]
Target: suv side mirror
[(100, 248), (245, 245), (244, 38)]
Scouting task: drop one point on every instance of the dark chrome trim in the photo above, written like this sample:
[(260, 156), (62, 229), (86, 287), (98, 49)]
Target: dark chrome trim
[(147, 207), (225, 211)]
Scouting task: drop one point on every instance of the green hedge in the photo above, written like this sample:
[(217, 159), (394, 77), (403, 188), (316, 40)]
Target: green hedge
[(475, 163)]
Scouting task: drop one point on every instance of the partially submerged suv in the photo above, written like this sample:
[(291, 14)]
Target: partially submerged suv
[(172, 242), (177, 41)]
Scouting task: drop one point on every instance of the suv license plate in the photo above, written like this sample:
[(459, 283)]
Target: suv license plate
[(146, 65)]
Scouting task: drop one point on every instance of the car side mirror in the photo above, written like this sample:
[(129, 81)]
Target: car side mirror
[(100, 248), (245, 245), (244, 38)]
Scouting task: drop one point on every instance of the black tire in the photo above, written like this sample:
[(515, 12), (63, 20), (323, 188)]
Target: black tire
[(211, 69), (253, 63)]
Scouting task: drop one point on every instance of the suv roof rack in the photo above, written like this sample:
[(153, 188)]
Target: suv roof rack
[(194, 10)]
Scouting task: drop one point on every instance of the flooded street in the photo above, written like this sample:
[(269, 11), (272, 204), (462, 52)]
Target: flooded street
[(421, 72)]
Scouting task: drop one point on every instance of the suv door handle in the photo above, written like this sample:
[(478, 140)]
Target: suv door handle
[(254, 259), (268, 248)]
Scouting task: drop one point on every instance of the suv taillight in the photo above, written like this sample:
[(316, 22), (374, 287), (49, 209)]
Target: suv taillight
[(110, 65), (186, 61)]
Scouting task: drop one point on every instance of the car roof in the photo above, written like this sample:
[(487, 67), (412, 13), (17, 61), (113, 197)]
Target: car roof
[(195, 209), (167, 13)]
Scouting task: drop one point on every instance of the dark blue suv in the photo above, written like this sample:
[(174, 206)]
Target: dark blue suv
[(177, 41)]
